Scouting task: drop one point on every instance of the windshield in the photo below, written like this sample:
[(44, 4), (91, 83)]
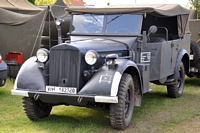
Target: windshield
[(121, 24), (87, 23)]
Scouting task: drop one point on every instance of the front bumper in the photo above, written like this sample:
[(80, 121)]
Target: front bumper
[(69, 99)]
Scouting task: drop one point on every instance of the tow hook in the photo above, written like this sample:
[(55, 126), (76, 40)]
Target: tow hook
[(36, 97), (79, 100)]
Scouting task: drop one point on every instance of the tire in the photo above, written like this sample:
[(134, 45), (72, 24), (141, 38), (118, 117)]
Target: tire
[(197, 64), (195, 50), (121, 112), (35, 110), (175, 91), (2, 82)]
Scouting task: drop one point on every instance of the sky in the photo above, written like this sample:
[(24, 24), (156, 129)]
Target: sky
[(99, 3)]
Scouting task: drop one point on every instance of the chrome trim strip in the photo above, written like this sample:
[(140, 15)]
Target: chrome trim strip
[(104, 99), (20, 93)]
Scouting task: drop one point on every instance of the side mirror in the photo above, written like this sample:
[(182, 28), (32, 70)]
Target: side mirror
[(153, 29)]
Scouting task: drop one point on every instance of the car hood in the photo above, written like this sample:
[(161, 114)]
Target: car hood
[(104, 44)]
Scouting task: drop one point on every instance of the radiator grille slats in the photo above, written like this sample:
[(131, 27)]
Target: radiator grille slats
[(64, 64)]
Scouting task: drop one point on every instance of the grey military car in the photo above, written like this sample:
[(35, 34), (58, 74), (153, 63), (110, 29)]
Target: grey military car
[(111, 56)]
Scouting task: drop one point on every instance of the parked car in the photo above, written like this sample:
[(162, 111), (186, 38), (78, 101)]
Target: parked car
[(194, 26), (112, 55), (3, 72)]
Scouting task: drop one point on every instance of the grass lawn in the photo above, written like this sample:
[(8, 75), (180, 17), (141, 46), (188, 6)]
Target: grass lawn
[(158, 114)]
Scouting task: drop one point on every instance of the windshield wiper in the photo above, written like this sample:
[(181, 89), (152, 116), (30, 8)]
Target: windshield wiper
[(96, 19), (114, 18)]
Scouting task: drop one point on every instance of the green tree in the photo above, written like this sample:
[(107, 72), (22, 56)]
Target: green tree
[(68, 2), (32, 1), (47, 2), (195, 4)]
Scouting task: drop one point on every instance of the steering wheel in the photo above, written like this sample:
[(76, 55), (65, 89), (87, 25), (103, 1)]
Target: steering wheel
[(123, 30)]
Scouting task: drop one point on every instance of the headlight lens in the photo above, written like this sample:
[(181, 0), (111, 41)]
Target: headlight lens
[(42, 55), (91, 57)]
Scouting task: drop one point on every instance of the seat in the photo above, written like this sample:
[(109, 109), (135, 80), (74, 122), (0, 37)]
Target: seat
[(157, 39)]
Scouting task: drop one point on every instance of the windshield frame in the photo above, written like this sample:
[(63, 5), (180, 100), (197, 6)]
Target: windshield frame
[(105, 23)]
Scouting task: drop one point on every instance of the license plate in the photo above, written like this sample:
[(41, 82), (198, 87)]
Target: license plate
[(56, 89)]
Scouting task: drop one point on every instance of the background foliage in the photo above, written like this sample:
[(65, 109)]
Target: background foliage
[(47, 2), (32, 1), (44, 2), (195, 4)]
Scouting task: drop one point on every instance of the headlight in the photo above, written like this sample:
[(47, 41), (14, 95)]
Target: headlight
[(42, 55), (91, 57)]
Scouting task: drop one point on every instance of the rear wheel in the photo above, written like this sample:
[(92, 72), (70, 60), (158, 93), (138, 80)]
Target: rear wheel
[(121, 112), (35, 110), (176, 90)]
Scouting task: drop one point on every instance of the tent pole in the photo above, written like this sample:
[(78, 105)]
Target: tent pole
[(49, 29)]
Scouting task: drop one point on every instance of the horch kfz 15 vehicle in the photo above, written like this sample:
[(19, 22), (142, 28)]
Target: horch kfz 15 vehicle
[(111, 56)]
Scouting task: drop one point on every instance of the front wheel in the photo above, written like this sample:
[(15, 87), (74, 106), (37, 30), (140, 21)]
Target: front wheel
[(176, 90), (121, 112), (35, 110)]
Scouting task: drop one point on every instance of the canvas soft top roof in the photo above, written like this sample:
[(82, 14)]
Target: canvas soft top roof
[(156, 9)]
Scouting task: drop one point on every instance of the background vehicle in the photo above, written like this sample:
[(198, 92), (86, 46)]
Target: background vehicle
[(112, 55), (194, 26), (3, 72)]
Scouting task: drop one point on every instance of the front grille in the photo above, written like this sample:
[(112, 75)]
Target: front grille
[(64, 64)]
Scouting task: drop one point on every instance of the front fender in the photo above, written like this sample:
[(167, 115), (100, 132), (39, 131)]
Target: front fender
[(106, 81), (30, 77), (3, 70)]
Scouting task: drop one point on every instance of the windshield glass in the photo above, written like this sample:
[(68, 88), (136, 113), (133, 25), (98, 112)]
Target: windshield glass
[(87, 23), (123, 24), (115, 24)]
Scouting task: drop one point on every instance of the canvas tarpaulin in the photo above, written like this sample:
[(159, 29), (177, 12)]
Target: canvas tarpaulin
[(19, 32), (160, 10), (156, 9), (20, 6), (50, 31), (23, 26), (24, 32)]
